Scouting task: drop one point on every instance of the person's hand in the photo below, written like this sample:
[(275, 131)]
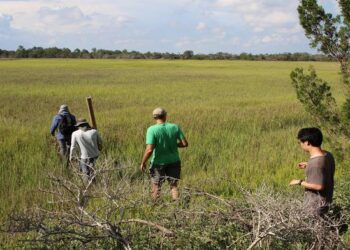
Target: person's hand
[(302, 165), (143, 167), (294, 182), (51, 137), (73, 159)]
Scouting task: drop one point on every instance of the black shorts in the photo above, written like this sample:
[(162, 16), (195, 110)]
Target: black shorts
[(170, 172)]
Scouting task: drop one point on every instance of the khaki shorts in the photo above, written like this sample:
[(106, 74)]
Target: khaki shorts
[(170, 172)]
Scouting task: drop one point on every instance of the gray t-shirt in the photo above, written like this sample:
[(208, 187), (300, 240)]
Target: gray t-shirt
[(320, 170)]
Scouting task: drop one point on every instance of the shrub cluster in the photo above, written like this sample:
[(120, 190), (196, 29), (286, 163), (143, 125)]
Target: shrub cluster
[(54, 52), (114, 210)]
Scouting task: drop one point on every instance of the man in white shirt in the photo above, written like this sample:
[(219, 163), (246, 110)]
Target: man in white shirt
[(90, 144)]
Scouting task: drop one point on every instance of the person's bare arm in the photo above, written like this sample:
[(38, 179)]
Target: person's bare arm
[(302, 165), (182, 143), (312, 186), (99, 142), (72, 147), (147, 154)]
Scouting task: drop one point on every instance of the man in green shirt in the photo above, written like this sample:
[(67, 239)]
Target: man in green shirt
[(162, 142)]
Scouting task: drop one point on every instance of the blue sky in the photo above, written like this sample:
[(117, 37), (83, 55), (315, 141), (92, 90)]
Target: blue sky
[(204, 26)]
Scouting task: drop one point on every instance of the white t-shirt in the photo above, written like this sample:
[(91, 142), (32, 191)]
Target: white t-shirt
[(88, 142)]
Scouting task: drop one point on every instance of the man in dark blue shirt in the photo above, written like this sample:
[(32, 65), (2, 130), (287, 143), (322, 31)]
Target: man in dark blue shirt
[(64, 123)]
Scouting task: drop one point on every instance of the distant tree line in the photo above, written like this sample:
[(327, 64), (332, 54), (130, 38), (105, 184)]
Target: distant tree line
[(54, 52)]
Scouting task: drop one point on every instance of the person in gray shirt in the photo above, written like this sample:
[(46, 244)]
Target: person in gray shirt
[(90, 144), (319, 172)]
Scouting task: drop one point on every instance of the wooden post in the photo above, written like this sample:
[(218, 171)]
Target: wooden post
[(91, 112)]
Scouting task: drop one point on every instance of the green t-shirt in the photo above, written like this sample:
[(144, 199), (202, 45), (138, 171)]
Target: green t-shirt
[(164, 138)]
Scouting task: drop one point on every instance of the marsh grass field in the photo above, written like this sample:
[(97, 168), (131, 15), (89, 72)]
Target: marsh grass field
[(240, 118)]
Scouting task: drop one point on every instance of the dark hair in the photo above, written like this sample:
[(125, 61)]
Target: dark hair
[(162, 117), (312, 135), (85, 127)]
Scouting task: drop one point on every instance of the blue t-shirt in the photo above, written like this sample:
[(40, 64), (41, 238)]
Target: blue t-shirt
[(55, 125)]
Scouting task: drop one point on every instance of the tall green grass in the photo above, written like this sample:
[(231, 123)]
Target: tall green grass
[(240, 118)]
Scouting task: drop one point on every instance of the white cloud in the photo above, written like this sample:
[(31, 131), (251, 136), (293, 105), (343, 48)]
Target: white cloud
[(61, 16), (275, 38), (184, 42), (155, 25), (261, 14), (271, 39), (293, 29), (219, 33), (61, 20), (263, 24), (52, 42), (65, 20), (235, 41), (201, 26)]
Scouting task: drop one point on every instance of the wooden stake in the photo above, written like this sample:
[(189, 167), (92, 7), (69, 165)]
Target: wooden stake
[(91, 112)]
